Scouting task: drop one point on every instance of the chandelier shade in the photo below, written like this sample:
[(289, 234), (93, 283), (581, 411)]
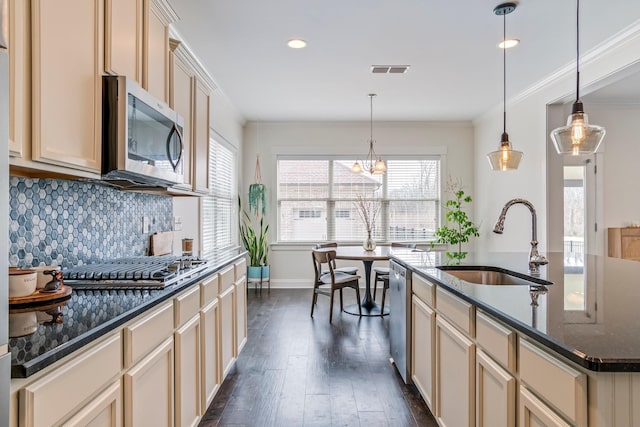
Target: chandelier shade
[(578, 137)]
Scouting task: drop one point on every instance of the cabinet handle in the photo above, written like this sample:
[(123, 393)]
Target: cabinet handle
[(175, 130)]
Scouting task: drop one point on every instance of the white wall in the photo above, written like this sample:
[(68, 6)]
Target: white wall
[(528, 130), (291, 264)]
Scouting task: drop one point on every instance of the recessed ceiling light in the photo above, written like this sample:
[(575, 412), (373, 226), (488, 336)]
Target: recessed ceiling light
[(508, 43), (296, 43)]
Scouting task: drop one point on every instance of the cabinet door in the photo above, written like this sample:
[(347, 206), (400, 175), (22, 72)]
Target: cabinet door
[(495, 394), (241, 313), (181, 100), (534, 413), (105, 410), (19, 95), (148, 389), (210, 360), (227, 331), (187, 373), (201, 139), (67, 60), (123, 38), (455, 378), (155, 74), (423, 348)]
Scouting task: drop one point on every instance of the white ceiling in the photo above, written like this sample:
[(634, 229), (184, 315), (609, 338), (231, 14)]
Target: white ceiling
[(456, 67)]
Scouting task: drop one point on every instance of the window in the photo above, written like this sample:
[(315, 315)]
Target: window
[(316, 200), (219, 209)]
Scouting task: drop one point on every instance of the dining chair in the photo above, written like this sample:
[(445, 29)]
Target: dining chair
[(382, 274), (326, 276), (348, 270)]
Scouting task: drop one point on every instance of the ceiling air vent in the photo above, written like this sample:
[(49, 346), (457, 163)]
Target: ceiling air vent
[(389, 69)]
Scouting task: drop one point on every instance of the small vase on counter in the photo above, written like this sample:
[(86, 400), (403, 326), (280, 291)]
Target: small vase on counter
[(369, 244)]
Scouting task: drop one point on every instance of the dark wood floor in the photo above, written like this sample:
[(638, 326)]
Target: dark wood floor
[(299, 371)]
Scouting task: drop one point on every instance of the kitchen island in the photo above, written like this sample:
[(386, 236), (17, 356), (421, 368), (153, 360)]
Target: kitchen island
[(567, 354), (149, 355)]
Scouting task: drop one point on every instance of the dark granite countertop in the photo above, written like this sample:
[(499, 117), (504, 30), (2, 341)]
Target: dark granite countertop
[(590, 314), (64, 327)]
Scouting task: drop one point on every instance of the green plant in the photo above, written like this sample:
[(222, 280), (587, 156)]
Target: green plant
[(254, 234), (462, 228)]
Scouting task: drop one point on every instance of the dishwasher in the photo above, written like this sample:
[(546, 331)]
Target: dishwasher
[(400, 319)]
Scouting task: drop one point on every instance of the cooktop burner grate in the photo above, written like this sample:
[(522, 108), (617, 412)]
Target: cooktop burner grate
[(136, 272)]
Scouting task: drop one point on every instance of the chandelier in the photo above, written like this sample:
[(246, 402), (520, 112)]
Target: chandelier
[(372, 163)]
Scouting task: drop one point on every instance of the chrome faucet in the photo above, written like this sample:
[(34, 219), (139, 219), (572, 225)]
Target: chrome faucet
[(535, 259)]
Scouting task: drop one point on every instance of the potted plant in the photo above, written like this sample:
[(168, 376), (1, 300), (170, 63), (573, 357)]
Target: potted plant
[(254, 239), (462, 228)]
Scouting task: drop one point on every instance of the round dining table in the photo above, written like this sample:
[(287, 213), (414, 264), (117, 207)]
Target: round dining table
[(357, 253)]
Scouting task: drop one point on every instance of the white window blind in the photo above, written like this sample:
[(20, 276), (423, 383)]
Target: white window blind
[(317, 200), (219, 209)]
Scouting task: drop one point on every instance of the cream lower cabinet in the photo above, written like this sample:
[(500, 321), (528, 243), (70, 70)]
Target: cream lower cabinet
[(54, 398), (187, 373), (495, 394), (149, 389), (240, 294), (104, 411), (209, 346), (423, 349), (227, 331), (535, 413), (455, 376)]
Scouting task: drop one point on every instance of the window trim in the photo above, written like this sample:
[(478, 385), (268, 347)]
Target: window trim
[(432, 153)]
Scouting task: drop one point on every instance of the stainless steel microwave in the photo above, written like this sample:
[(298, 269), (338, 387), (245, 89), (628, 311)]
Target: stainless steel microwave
[(141, 137)]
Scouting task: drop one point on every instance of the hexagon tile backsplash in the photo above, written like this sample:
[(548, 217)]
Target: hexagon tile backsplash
[(69, 223)]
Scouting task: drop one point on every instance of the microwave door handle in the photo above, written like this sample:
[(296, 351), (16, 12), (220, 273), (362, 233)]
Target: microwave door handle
[(175, 130)]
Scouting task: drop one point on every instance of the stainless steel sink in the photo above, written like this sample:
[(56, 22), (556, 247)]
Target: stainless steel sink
[(491, 276)]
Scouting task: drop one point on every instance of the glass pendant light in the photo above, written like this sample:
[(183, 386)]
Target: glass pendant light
[(578, 136), (373, 163), (505, 158)]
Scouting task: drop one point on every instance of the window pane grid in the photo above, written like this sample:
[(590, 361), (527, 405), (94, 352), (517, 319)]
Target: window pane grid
[(317, 200)]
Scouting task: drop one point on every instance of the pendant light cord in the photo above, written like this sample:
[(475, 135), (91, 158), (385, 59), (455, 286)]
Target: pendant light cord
[(577, 50), (371, 117), (504, 73)]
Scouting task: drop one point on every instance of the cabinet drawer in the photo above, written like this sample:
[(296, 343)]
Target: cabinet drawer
[(459, 312), (53, 397), (561, 386), (208, 290), (226, 279), (496, 340), (186, 305), (147, 333), (240, 268), (423, 289)]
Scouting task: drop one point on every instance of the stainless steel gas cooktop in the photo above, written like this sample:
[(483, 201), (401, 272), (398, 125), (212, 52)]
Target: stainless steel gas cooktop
[(136, 272)]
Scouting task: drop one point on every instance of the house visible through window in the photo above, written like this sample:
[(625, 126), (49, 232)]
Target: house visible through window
[(219, 209), (316, 200)]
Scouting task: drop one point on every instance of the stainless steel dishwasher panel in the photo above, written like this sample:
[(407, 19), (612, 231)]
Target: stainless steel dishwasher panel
[(400, 319)]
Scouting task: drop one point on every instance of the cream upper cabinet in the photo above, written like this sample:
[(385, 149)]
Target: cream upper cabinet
[(423, 349), (158, 14), (181, 97), (495, 394), (201, 138), (19, 83), (123, 38), (455, 376), (67, 64)]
